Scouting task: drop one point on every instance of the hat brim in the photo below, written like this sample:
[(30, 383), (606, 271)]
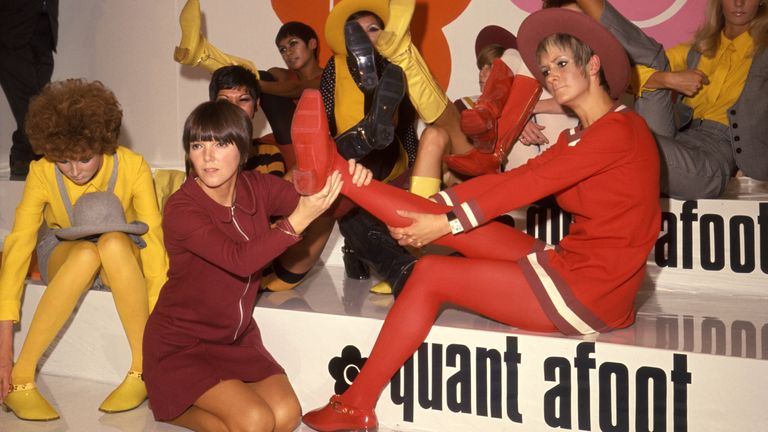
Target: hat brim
[(546, 22), (494, 34), (78, 232), (334, 24)]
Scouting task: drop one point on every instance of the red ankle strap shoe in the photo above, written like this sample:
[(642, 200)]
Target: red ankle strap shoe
[(338, 416)]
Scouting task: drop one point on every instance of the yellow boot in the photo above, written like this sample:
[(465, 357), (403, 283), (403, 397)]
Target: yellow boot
[(28, 404), (127, 396), (394, 43), (195, 50)]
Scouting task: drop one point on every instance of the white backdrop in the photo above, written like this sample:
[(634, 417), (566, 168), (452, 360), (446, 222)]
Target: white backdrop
[(128, 44)]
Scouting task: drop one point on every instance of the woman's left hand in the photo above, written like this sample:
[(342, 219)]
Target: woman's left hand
[(425, 228)]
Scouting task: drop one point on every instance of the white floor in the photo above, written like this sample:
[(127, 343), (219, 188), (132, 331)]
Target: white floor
[(77, 401)]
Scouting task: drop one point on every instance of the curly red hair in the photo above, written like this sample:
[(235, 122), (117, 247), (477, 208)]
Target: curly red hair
[(73, 120)]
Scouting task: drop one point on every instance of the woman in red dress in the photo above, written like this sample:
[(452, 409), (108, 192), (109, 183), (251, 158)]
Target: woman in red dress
[(605, 173)]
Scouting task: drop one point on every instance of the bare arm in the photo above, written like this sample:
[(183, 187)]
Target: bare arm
[(284, 86), (548, 106)]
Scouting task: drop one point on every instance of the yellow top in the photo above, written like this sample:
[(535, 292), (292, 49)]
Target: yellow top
[(41, 201), (727, 72)]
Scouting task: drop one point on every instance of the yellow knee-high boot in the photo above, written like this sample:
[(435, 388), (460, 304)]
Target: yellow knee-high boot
[(121, 271), (424, 186), (195, 50), (72, 267), (394, 43)]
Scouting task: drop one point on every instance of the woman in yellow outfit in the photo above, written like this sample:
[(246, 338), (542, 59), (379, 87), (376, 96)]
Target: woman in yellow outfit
[(75, 124)]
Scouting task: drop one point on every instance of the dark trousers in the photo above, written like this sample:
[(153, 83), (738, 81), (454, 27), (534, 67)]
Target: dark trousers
[(24, 71)]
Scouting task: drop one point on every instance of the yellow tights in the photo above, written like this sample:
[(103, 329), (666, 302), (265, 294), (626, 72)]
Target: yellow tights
[(72, 269)]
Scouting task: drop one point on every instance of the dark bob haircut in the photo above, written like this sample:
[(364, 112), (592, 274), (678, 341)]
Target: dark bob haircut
[(219, 121), (233, 77)]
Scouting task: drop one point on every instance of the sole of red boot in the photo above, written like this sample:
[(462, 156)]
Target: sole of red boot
[(312, 143)]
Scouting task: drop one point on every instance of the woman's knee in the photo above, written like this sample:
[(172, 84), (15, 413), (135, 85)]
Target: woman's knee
[(257, 418), (434, 139), (287, 415), (426, 275), (84, 254), (114, 242)]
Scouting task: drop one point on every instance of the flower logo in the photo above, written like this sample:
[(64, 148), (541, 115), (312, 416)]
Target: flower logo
[(344, 369)]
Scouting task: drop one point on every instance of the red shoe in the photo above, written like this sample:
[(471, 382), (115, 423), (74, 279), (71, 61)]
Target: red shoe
[(474, 163), (315, 149), (522, 98), (339, 417)]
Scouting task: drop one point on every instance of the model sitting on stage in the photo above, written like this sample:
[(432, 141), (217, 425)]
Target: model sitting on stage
[(605, 173), (205, 365)]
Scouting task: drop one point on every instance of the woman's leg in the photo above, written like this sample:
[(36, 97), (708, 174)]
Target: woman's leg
[(195, 50), (232, 405), (394, 43), (316, 157), (299, 259), (493, 288), (72, 268), (121, 271), (428, 167), (278, 393)]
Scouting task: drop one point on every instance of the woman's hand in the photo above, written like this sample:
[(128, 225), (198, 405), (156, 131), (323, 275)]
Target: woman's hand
[(361, 175), (532, 135), (312, 206), (425, 228), (688, 82), (6, 357)]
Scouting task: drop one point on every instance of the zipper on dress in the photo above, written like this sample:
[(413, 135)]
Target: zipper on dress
[(248, 284)]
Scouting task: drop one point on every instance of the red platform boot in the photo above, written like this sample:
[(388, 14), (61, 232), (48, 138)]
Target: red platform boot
[(520, 101), (315, 149), (338, 416), (479, 123)]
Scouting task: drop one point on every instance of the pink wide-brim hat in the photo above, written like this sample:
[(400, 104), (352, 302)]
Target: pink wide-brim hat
[(546, 22)]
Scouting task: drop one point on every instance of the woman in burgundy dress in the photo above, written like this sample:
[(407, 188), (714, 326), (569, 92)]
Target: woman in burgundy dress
[(205, 365)]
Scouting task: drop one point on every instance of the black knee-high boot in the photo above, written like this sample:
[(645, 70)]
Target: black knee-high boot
[(373, 245)]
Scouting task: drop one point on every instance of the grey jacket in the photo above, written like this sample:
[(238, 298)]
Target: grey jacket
[(748, 117)]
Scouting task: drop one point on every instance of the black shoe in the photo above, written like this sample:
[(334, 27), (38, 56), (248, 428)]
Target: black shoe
[(353, 267), (377, 129), (359, 46)]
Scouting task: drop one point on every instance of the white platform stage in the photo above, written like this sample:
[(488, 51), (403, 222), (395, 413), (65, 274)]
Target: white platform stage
[(696, 359)]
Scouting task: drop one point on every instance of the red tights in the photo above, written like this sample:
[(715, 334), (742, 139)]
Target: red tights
[(487, 280)]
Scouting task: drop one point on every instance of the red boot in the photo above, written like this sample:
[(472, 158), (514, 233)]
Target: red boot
[(315, 149), (479, 123), (338, 416), (522, 98)]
